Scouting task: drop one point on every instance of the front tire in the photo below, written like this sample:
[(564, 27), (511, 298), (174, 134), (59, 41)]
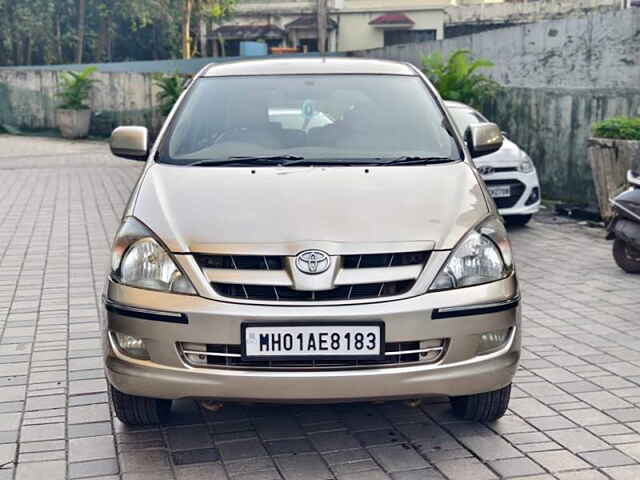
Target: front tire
[(518, 220), (482, 407), (626, 257), (133, 410)]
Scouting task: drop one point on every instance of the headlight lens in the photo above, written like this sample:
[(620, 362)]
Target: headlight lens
[(138, 260), (526, 165), (483, 256)]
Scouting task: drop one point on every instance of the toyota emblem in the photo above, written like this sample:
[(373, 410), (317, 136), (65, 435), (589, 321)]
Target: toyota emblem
[(313, 262)]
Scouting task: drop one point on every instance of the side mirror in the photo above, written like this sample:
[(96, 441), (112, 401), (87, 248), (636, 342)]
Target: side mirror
[(130, 142), (483, 139), (633, 178)]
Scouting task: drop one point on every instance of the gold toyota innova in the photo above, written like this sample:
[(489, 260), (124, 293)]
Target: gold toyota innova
[(310, 230)]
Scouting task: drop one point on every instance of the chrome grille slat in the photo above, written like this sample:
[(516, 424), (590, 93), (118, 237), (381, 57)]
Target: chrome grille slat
[(388, 266), (211, 354), (409, 352), (275, 290), (233, 261), (351, 287)]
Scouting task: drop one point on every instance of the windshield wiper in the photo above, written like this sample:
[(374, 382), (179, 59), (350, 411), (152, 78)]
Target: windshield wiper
[(345, 162), (296, 160), (373, 161), (414, 160), (245, 161)]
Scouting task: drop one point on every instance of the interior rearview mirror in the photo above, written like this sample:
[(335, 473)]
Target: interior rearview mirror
[(130, 142), (483, 139)]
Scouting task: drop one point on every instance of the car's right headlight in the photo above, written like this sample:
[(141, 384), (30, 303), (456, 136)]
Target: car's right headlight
[(139, 260), (483, 256), (526, 164)]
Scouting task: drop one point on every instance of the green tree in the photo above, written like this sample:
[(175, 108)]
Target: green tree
[(25, 29), (128, 22), (66, 31), (457, 77), (203, 10)]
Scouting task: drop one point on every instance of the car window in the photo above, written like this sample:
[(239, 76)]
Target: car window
[(463, 117), (314, 116)]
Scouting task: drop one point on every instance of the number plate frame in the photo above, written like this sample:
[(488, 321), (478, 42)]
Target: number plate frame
[(502, 189), (373, 323)]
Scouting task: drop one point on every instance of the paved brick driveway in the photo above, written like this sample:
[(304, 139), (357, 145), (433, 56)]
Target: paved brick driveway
[(574, 415)]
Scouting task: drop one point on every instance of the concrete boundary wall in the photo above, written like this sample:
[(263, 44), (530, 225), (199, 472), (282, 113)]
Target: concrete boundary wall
[(553, 125), (524, 12), (600, 50), (28, 100)]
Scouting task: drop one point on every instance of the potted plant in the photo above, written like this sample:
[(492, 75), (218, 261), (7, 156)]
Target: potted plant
[(170, 88), (73, 116), (612, 150)]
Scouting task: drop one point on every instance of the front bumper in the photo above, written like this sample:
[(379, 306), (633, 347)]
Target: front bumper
[(523, 184), (460, 371)]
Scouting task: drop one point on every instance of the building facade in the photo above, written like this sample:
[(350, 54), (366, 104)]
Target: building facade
[(291, 25)]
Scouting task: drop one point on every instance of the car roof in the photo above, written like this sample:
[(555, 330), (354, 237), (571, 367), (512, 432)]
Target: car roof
[(309, 66)]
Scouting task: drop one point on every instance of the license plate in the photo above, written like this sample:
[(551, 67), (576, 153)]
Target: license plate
[(499, 191), (306, 341)]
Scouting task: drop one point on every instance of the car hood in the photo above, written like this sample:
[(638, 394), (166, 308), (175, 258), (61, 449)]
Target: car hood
[(211, 209), (509, 155)]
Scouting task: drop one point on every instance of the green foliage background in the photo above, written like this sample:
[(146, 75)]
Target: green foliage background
[(621, 128), (41, 32), (457, 78)]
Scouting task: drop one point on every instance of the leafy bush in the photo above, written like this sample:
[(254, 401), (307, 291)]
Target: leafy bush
[(622, 128), (456, 78), (75, 87), (171, 87)]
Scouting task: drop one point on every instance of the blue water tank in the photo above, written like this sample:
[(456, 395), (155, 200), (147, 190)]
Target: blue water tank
[(253, 49)]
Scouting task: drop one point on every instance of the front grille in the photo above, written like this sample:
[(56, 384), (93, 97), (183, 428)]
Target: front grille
[(240, 262), (266, 278), (229, 356), (344, 292), (380, 260), (517, 190), (505, 169)]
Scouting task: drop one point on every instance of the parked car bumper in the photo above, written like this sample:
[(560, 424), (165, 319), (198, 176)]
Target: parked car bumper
[(460, 370), (524, 199)]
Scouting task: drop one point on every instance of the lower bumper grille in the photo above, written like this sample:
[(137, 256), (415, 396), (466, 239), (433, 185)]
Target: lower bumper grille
[(229, 356)]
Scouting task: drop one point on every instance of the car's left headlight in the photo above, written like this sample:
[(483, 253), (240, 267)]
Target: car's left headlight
[(526, 164), (483, 256), (140, 260)]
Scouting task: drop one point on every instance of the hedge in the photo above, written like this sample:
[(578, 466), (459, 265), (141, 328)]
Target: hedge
[(620, 128)]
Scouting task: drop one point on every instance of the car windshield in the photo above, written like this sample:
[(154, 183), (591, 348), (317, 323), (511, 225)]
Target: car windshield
[(308, 117), (463, 117)]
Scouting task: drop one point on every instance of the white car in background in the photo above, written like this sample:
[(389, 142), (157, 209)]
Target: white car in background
[(509, 173)]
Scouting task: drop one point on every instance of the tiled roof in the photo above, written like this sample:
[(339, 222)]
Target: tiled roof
[(309, 21), (392, 19)]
